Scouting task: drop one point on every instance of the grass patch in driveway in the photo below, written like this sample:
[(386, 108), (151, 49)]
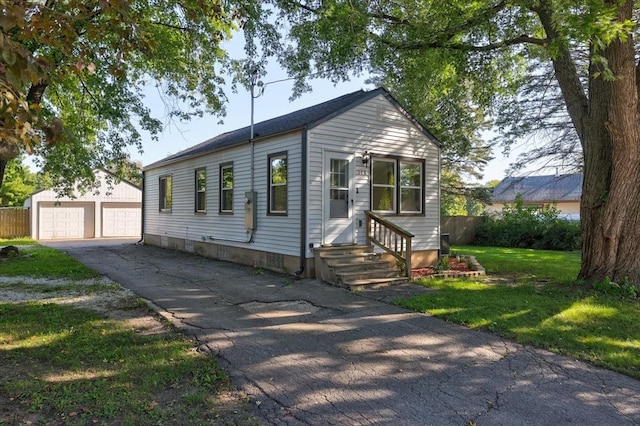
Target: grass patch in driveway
[(45, 262), (523, 300)]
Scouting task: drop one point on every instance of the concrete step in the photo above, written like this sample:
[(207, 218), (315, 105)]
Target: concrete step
[(374, 283), (341, 266), (355, 267), (344, 277), (354, 260), (340, 250), (329, 258)]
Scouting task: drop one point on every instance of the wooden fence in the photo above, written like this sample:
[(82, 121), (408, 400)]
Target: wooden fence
[(14, 223), (461, 229)]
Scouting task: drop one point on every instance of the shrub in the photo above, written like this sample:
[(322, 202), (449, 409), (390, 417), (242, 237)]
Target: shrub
[(527, 227), (612, 288)]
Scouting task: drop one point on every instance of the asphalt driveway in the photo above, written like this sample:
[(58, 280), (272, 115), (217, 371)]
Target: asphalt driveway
[(309, 353)]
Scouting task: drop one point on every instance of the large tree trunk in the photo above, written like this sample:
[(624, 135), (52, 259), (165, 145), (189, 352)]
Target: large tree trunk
[(610, 206)]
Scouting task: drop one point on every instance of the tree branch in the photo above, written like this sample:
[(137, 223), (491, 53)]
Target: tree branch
[(523, 39), (566, 72), (175, 27)]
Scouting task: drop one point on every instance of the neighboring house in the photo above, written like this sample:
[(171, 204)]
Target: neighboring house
[(305, 181), (561, 191), (109, 210)]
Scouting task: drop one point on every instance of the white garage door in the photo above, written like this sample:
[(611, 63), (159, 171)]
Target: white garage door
[(67, 220), (121, 219)]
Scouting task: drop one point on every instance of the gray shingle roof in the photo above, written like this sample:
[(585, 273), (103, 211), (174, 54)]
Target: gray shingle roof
[(307, 117), (550, 188)]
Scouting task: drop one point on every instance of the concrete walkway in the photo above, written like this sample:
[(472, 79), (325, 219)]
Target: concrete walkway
[(308, 353)]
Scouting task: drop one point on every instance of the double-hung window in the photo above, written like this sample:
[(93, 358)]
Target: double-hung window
[(411, 187), (201, 190), (397, 186), (165, 194), (226, 188), (278, 184), (383, 182)]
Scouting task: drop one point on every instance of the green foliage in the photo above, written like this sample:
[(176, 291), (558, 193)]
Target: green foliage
[(612, 288), (526, 227), (76, 71), (19, 184), (459, 198), (442, 264), (445, 90), (45, 262), (532, 296), (26, 241)]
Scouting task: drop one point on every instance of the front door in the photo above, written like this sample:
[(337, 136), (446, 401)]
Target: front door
[(338, 198)]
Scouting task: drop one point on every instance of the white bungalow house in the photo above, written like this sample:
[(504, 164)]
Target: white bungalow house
[(318, 177)]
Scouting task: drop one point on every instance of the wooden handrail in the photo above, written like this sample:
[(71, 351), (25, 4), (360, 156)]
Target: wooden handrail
[(390, 237)]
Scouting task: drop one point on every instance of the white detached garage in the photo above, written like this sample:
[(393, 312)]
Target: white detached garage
[(108, 211)]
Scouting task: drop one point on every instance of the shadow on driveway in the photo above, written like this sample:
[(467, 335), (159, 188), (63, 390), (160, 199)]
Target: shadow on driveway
[(309, 353)]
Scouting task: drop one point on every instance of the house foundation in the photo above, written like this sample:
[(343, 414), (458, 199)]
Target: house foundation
[(260, 259), (256, 258)]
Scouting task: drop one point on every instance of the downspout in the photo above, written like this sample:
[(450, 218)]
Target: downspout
[(303, 206), (141, 240)]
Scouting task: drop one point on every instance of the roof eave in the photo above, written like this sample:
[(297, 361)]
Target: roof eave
[(162, 163)]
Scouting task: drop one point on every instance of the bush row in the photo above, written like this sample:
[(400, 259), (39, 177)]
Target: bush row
[(526, 227)]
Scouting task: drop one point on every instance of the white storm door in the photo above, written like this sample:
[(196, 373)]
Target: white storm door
[(338, 199)]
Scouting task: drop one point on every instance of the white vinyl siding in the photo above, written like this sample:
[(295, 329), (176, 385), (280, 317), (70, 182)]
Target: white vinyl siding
[(276, 234), (378, 127)]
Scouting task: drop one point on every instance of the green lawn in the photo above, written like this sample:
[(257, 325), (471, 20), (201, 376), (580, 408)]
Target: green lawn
[(531, 296), (16, 241), (39, 261), (63, 364)]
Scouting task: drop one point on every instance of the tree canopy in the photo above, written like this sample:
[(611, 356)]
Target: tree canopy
[(73, 74), (20, 183)]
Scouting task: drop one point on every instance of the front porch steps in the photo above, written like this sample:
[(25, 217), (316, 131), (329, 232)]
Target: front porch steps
[(354, 267)]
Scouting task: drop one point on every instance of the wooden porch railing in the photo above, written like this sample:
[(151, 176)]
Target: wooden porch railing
[(390, 237)]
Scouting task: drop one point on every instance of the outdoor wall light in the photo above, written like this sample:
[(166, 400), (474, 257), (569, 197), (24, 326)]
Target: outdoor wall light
[(365, 158)]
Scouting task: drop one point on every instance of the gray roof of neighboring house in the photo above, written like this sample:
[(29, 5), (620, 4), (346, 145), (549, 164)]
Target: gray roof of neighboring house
[(551, 188), (303, 118)]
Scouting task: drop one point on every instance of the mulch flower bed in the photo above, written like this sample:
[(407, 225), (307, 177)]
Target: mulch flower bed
[(455, 266)]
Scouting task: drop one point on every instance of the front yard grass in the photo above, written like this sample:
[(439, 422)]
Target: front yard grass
[(66, 362), (532, 297), (39, 261)]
